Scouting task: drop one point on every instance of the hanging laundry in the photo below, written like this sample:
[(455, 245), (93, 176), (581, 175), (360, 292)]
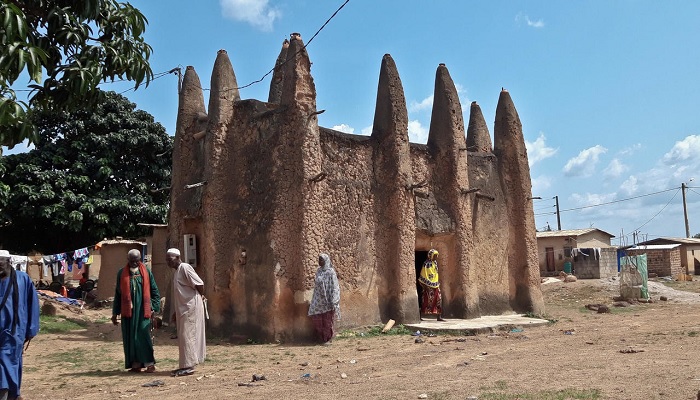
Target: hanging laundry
[(80, 253), (80, 256), (44, 270), (19, 262), (62, 260), (55, 266)]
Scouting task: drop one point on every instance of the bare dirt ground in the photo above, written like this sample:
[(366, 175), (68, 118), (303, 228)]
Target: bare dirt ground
[(645, 351)]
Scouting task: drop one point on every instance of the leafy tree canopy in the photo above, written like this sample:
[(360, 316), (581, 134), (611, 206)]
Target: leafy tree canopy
[(65, 48), (95, 173)]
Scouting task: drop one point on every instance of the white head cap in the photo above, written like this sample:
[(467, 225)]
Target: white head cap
[(173, 251), (4, 254)]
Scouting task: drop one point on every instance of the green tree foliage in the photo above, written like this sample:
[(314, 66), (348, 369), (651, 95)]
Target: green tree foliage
[(65, 49), (95, 173), (697, 236)]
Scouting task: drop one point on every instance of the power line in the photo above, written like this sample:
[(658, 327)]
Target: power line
[(161, 74), (617, 201), (289, 58), (543, 208), (157, 76), (664, 207)]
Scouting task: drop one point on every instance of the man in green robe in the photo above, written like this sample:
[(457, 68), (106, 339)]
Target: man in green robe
[(136, 298)]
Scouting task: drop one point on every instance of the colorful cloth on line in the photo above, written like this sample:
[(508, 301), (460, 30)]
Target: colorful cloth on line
[(19, 262)]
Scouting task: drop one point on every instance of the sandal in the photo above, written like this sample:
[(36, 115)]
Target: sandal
[(183, 372), (151, 369)]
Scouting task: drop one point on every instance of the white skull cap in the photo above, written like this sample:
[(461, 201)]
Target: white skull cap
[(173, 251)]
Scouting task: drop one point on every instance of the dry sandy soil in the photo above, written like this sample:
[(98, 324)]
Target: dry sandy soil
[(645, 351)]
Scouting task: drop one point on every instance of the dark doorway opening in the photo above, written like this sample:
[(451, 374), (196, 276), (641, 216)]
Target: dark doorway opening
[(549, 251), (420, 257)]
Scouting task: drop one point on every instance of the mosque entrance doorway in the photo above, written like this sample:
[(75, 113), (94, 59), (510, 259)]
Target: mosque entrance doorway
[(420, 257)]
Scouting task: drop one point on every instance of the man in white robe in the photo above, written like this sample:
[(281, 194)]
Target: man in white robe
[(188, 313)]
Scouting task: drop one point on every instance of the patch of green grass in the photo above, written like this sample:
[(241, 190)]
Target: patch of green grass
[(498, 385), (77, 357), (688, 286), (53, 324), (551, 320), (564, 394), (373, 331), (623, 310), (692, 333), (439, 395), (102, 374)]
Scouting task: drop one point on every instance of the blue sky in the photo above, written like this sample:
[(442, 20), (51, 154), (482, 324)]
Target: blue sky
[(608, 92)]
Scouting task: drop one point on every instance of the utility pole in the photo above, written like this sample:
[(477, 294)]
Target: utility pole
[(685, 210), (556, 198)]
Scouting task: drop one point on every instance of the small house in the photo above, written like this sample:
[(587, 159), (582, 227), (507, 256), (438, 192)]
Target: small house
[(587, 253), (689, 251)]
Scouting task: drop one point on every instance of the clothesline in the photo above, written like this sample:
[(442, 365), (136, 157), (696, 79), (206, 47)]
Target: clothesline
[(55, 264)]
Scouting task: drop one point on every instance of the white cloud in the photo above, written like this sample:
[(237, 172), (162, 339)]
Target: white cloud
[(540, 184), (258, 13), (631, 185), (425, 104), (684, 150), (367, 131), (344, 128), (591, 199), (417, 133), (585, 162), (463, 99), (524, 18), (615, 169), (628, 151), (677, 165), (538, 150)]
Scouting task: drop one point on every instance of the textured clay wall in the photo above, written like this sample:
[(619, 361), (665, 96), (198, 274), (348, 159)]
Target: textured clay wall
[(349, 225), (275, 190)]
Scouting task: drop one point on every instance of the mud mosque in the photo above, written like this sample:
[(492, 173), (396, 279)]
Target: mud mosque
[(262, 189)]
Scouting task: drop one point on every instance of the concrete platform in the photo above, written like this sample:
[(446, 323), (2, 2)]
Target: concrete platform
[(485, 324)]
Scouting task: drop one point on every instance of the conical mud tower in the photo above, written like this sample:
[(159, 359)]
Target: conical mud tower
[(263, 190)]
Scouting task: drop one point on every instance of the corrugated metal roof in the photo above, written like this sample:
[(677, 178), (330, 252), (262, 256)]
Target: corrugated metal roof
[(655, 247), (570, 233), (671, 240)]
